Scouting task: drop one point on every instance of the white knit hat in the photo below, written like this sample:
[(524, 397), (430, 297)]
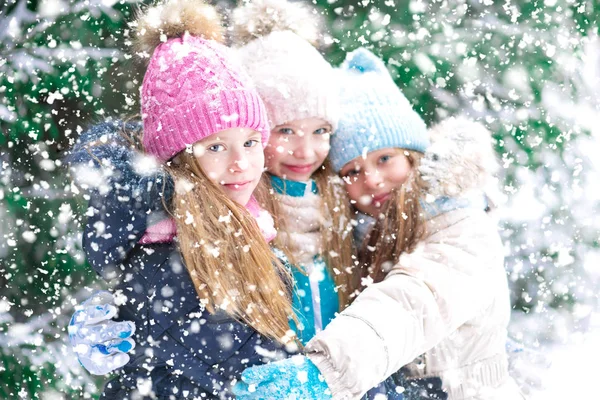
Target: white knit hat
[(291, 76)]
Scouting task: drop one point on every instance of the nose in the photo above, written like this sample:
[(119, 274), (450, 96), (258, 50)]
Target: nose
[(373, 179), (305, 148), (239, 163)]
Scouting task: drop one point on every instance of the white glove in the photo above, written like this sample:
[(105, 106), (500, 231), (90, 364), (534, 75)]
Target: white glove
[(100, 343), (526, 366)]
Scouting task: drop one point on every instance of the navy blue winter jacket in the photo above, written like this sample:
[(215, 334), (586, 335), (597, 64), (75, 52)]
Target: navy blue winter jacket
[(182, 351)]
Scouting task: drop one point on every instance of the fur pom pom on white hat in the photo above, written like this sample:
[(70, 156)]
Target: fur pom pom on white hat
[(273, 39), (258, 18)]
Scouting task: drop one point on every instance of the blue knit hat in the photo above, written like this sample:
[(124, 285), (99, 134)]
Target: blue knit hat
[(374, 112)]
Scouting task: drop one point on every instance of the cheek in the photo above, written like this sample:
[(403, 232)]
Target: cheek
[(212, 165), (276, 148), (396, 179), (257, 160), (322, 148), (272, 157), (354, 190), (398, 172), (214, 172)]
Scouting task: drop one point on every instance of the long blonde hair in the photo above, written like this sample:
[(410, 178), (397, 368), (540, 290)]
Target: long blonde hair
[(398, 229), (337, 248), (231, 265)]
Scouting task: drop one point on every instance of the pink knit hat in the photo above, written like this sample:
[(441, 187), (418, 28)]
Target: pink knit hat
[(193, 89)]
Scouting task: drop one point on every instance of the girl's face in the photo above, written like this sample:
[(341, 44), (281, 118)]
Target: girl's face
[(234, 160), (298, 148), (370, 180)]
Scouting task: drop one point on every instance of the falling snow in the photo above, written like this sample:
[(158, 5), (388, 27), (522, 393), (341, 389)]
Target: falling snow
[(529, 71)]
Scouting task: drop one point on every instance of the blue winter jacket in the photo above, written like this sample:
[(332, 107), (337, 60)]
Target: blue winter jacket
[(182, 351)]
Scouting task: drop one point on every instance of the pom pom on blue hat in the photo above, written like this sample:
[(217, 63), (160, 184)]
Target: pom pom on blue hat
[(363, 60)]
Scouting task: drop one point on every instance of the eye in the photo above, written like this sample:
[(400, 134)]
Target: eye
[(385, 158), (216, 148), (251, 143), (351, 173), (286, 131), (321, 131)]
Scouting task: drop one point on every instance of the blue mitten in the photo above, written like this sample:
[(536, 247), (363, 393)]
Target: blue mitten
[(101, 344), (294, 378)]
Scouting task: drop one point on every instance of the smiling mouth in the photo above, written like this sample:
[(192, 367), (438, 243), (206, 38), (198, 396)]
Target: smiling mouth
[(236, 185), (380, 199), (300, 168)]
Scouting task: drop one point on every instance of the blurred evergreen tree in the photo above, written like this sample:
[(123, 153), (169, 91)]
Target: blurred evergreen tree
[(61, 67)]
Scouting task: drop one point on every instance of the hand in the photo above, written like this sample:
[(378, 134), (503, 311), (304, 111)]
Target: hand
[(526, 366), (101, 344), (295, 378)]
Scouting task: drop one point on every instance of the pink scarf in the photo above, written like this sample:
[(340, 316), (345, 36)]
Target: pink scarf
[(165, 230)]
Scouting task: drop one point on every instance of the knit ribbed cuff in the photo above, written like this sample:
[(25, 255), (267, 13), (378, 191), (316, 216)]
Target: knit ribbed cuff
[(195, 120), (376, 129)]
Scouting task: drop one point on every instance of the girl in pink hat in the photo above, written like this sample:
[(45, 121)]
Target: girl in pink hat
[(195, 273)]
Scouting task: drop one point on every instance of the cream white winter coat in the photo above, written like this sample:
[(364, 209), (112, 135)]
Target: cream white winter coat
[(448, 300), (442, 310)]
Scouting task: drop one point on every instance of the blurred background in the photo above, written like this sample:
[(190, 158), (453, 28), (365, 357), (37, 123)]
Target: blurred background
[(529, 70)]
